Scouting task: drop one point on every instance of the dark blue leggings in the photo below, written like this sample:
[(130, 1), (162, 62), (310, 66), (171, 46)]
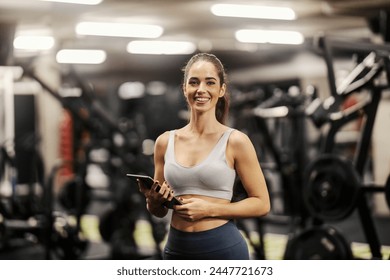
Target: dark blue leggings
[(222, 243)]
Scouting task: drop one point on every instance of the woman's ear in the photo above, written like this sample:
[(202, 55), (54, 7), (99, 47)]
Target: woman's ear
[(222, 91), (184, 91)]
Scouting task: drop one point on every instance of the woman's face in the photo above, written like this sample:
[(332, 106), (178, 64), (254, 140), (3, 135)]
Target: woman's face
[(203, 86)]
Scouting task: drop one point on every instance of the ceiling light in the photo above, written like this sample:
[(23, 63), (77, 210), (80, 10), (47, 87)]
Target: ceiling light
[(160, 47), (131, 90), (156, 88), (269, 36), (82, 2), (253, 11), (81, 56), (119, 29), (34, 43)]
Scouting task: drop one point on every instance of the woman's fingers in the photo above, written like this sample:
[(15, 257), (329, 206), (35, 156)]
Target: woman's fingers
[(156, 186), (161, 192), (142, 188)]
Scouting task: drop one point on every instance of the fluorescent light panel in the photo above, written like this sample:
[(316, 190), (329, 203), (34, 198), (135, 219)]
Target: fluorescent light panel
[(269, 36), (161, 47), (131, 90), (33, 43), (72, 56), (119, 29), (81, 2), (253, 11)]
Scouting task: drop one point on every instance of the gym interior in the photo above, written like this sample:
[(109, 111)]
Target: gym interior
[(308, 83)]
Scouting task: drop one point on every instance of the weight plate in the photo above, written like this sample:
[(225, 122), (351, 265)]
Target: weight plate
[(318, 243), (74, 196), (107, 224), (331, 188), (387, 191)]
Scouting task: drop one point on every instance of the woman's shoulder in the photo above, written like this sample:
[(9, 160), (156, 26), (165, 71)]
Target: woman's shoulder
[(161, 144), (163, 138), (238, 138)]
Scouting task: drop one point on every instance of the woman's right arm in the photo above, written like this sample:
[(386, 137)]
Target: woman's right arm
[(154, 200)]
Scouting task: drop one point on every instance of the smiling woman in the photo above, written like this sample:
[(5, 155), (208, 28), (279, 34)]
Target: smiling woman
[(198, 164), (213, 66)]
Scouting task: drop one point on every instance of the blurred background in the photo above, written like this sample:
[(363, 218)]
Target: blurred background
[(87, 86)]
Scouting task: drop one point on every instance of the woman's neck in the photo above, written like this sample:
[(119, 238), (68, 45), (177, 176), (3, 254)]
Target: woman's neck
[(203, 123)]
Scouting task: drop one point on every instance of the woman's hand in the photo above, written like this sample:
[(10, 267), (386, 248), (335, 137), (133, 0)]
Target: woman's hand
[(156, 195), (193, 209), (143, 189)]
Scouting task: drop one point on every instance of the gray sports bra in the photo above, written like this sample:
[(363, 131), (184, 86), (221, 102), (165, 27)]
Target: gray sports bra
[(212, 177)]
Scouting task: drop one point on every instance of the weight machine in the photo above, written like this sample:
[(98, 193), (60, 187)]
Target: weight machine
[(333, 184), (275, 122), (329, 187), (59, 238)]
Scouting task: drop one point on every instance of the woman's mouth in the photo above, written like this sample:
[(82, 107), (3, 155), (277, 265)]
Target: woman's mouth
[(202, 99)]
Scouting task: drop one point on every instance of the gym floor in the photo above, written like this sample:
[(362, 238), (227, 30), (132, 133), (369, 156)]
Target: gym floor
[(275, 238)]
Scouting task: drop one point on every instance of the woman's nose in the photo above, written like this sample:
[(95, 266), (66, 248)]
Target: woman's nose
[(202, 87)]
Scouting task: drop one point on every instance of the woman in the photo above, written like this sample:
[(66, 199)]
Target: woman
[(198, 164)]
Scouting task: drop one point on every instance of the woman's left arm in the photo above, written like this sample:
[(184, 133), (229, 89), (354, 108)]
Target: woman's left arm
[(248, 169)]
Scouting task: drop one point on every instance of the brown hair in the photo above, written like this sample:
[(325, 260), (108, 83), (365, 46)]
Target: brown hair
[(222, 109)]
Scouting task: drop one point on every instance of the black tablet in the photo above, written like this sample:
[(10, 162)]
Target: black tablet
[(146, 180)]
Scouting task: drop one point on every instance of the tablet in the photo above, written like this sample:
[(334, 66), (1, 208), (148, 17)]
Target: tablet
[(146, 180)]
